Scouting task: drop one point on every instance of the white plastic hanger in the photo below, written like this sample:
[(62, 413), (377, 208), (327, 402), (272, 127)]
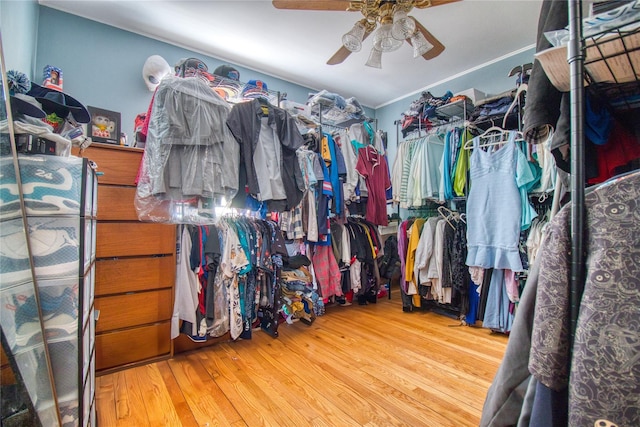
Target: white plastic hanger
[(495, 135), (448, 214)]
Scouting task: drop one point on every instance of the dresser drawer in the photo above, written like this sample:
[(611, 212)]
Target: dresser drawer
[(116, 203), (6, 373), (114, 276), (118, 239), (116, 165), (127, 310), (132, 345)]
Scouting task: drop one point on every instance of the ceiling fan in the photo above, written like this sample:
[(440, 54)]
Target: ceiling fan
[(388, 18)]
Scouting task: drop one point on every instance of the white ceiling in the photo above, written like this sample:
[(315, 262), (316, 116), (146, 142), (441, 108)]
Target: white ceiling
[(295, 45)]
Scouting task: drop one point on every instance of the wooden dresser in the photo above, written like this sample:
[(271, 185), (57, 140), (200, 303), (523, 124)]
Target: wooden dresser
[(135, 267)]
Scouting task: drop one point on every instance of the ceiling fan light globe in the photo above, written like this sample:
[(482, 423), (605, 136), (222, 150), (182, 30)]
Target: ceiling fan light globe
[(375, 58), (352, 40), (420, 44), (384, 41), (403, 26)]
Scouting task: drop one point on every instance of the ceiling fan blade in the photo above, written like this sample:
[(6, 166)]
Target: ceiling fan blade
[(343, 53), (338, 57), (438, 47), (339, 5)]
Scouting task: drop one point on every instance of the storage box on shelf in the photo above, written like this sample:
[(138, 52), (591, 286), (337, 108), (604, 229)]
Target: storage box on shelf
[(457, 109), (59, 204), (135, 267)]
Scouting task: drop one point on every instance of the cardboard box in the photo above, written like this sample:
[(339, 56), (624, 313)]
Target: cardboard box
[(473, 94)]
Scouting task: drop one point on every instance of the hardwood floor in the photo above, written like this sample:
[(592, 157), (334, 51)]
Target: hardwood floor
[(368, 365)]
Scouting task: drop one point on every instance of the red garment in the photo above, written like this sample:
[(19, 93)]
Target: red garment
[(372, 166), (144, 131), (327, 271), (201, 271), (621, 148)]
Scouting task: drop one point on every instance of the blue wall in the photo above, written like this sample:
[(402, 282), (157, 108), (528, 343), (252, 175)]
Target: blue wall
[(19, 24), (102, 65), (491, 79)]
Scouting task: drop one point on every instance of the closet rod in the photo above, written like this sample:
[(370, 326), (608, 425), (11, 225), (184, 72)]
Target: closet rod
[(575, 58)]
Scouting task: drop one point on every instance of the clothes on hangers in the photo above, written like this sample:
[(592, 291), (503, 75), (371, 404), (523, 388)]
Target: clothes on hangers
[(372, 166), (415, 176), (600, 384), (459, 174), (413, 236), (494, 208), (366, 247), (497, 312), (337, 172), (268, 147), (190, 153), (620, 148), (603, 353), (431, 252), (351, 180), (227, 278)]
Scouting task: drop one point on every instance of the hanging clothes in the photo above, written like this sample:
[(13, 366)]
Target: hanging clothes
[(450, 159), (235, 266), (605, 352), (336, 169), (425, 266), (350, 158), (190, 154), (373, 168), (187, 288), (324, 196), (438, 291), (525, 180), (268, 145), (497, 315), (397, 170), (494, 208), (415, 175), (461, 166), (327, 271)]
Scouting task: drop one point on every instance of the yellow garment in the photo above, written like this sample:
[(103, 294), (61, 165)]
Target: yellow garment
[(324, 150), (417, 300), (371, 245), (462, 166), (414, 239)]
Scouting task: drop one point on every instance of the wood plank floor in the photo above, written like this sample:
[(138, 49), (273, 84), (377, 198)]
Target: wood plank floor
[(370, 365)]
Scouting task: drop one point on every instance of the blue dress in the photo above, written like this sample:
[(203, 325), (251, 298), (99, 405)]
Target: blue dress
[(494, 207)]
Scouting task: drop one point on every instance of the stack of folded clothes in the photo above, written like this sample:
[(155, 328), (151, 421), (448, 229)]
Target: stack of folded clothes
[(421, 114), (299, 300)]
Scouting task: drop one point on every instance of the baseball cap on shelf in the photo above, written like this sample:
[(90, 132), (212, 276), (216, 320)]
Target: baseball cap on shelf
[(255, 89), (187, 67), (228, 72), (258, 84)]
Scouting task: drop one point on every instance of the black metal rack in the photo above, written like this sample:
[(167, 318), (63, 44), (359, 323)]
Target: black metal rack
[(576, 63)]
